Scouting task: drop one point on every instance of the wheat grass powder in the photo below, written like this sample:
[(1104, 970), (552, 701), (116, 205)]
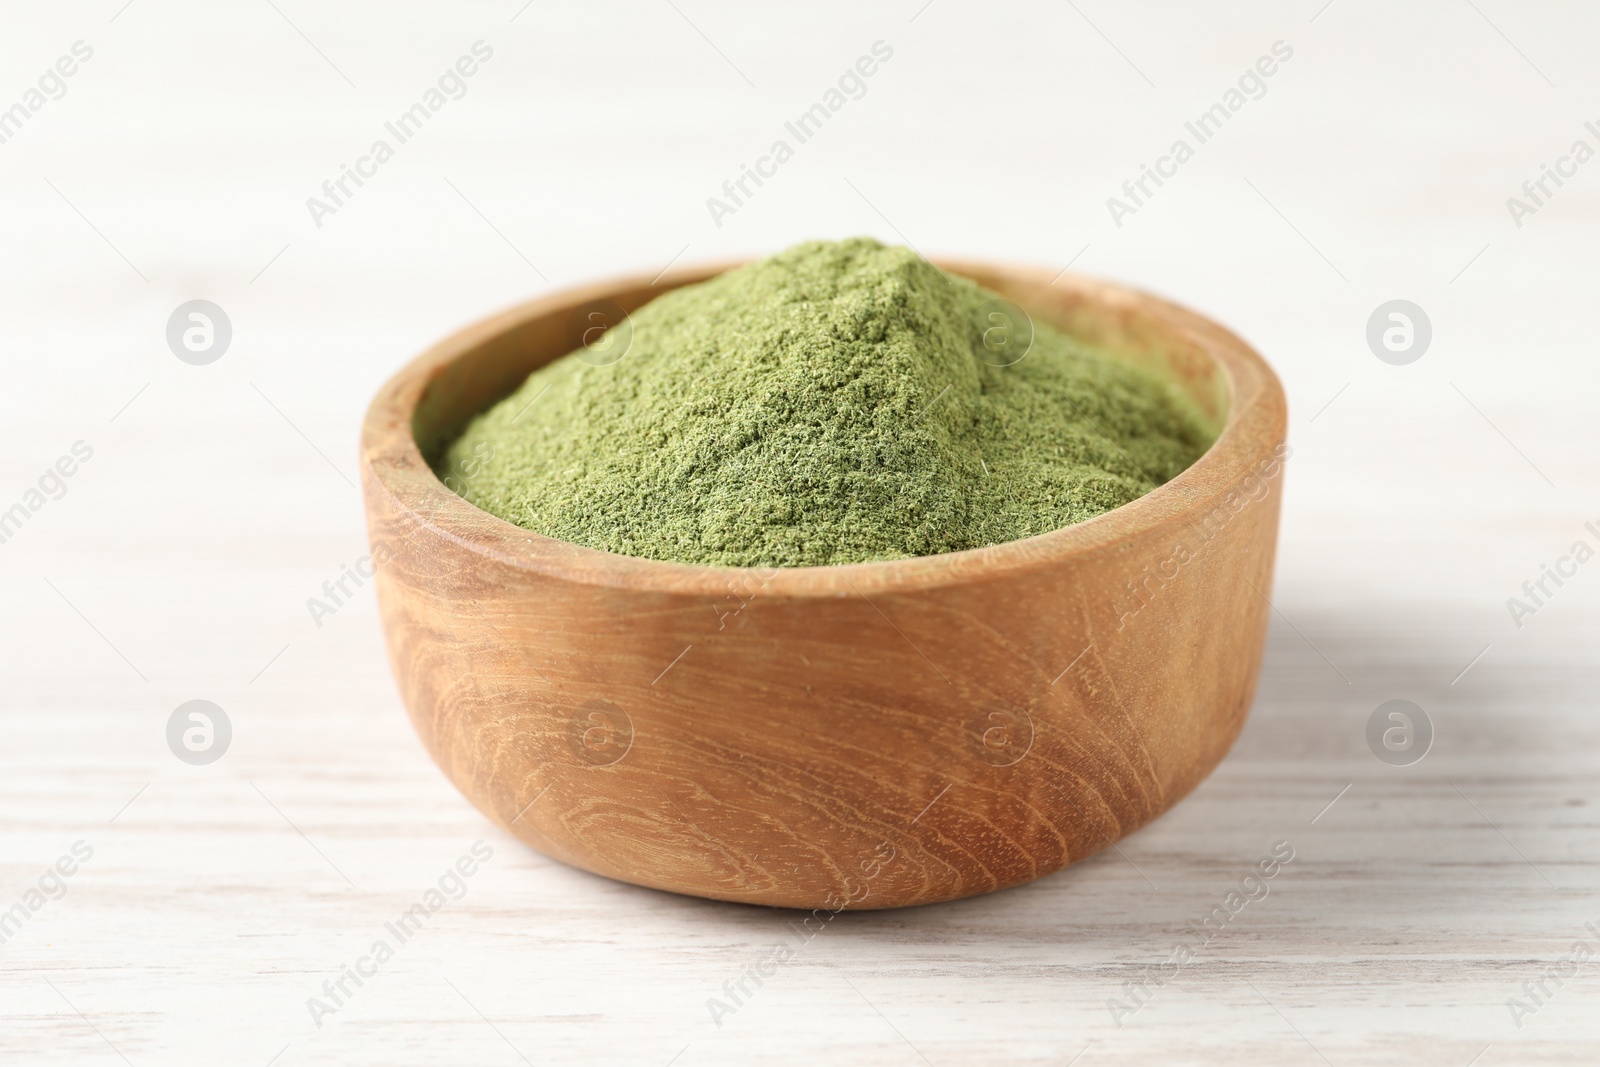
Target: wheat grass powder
[(839, 402)]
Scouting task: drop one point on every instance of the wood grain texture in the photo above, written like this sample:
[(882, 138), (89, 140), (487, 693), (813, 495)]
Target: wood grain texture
[(864, 736)]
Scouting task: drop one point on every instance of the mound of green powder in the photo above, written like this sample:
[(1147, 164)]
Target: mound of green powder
[(836, 403)]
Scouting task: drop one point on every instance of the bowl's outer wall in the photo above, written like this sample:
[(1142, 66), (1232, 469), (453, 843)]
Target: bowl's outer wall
[(877, 745)]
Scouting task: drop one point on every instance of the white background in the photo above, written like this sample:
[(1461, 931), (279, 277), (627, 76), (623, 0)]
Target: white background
[(219, 498)]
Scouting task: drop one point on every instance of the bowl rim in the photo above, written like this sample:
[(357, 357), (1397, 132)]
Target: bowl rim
[(392, 463)]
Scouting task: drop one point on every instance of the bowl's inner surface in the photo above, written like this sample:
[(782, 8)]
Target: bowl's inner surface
[(493, 369)]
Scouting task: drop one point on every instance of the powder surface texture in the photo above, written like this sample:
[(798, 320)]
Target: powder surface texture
[(837, 403)]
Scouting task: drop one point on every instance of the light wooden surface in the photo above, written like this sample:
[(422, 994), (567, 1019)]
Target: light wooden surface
[(219, 498)]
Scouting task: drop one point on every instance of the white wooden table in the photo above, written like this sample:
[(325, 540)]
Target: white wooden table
[(219, 498)]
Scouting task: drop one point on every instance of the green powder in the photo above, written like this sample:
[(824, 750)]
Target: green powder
[(837, 403)]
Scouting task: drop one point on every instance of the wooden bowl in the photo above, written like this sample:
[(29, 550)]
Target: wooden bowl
[(863, 736)]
